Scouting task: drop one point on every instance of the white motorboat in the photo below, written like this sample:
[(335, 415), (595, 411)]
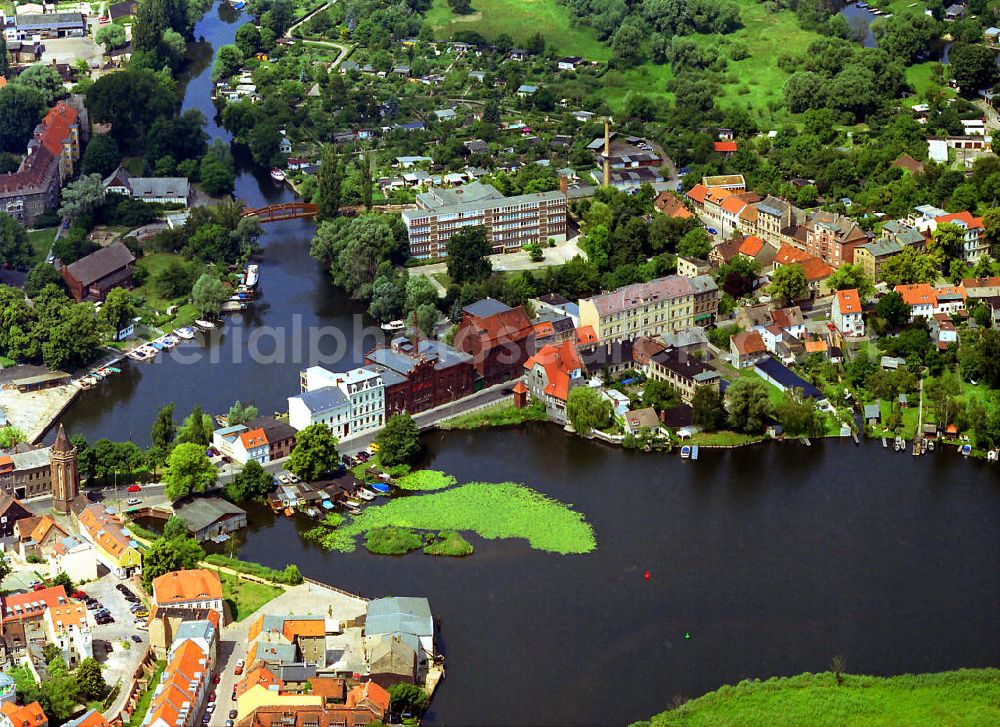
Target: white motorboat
[(252, 276), (277, 175), (205, 325), (393, 326), (186, 333)]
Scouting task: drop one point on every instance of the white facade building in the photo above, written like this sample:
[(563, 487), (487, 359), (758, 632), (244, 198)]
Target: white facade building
[(349, 402)]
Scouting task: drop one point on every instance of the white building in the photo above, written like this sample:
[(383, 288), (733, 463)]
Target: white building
[(68, 627), (846, 313), (362, 407), (75, 557)]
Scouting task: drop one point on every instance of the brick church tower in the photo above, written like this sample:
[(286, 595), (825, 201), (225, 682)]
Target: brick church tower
[(65, 477)]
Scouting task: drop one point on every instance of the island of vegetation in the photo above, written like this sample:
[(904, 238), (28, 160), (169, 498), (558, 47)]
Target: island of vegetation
[(964, 697)]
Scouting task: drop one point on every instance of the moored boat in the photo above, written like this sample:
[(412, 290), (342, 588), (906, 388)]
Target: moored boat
[(205, 325), (365, 494), (277, 175), (966, 450), (685, 451), (380, 487), (252, 276), (289, 512), (186, 333), (393, 326), (694, 451), (169, 341), (137, 355)]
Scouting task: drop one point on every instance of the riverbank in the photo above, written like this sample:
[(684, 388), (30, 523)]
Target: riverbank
[(964, 697)]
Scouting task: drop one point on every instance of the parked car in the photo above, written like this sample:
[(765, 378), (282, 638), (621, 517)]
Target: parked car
[(211, 696), (133, 501), (108, 648), (283, 478), (216, 679), (136, 638), (134, 488), (233, 713), (38, 587), (78, 594)]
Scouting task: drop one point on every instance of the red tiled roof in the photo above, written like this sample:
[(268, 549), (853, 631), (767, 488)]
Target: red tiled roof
[(733, 204), (751, 245), (964, 217), (848, 301), (724, 146), (30, 715), (253, 438), (33, 603), (186, 585), (57, 124), (748, 342), (559, 361), (370, 692), (508, 325), (814, 268), (698, 192), (669, 205), (917, 294), (586, 334)]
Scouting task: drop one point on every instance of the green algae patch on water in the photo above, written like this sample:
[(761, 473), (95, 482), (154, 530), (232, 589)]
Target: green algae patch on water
[(492, 511), (426, 480), (449, 543), (392, 541)]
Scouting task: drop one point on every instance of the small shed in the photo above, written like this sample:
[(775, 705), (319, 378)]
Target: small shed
[(873, 413), (930, 430)]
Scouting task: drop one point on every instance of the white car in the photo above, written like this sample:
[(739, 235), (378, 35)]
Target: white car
[(283, 479), (133, 501), (292, 478)]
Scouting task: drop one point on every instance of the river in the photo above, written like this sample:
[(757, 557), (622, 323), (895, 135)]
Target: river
[(773, 559), (297, 297)]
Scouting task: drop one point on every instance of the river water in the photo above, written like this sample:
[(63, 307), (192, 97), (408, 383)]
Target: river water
[(772, 559)]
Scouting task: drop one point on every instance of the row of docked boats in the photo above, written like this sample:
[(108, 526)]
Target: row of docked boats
[(151, 350), (352, 504), (97, 376), (245, 292)]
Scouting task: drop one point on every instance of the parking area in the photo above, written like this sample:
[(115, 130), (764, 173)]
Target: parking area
[(69, 50), (126, 653)]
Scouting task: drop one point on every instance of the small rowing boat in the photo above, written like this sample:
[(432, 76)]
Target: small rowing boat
[(206, 325)]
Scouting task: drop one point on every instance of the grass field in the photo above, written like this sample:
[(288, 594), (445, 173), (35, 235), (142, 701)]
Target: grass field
[(965, 697), (757, 80), (41, 242), (500, 415), (521, 19), (753, 83), (153, 263), (246, 597)]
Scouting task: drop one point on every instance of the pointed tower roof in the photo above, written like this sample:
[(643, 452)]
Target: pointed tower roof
[(62, 443)]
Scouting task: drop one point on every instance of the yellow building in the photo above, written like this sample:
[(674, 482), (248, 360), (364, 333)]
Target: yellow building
[(114, 545), (665, 305)]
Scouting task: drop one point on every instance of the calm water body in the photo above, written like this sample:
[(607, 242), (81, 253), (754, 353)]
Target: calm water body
[(773, 558)]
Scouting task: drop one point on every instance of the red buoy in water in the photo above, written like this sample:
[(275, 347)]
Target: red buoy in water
[(647, 575)]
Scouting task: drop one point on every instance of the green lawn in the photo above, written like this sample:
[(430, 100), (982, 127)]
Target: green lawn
[(773, 392), (723, 439), (501, 415), (521, 19), (245, 597), (152, 264), (41, 242), (965, 697)]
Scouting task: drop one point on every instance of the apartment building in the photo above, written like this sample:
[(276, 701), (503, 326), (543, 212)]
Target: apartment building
[(510, 222), (349, 402), (664, 305), (833, 238)]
